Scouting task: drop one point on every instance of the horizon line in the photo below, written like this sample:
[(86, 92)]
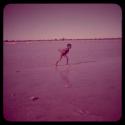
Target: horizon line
[(58, 39)]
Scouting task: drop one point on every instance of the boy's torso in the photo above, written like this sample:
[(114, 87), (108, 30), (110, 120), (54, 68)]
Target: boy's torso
[(65, 51)]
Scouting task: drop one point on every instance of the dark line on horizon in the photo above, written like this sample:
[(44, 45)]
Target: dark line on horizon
[(60, 39)]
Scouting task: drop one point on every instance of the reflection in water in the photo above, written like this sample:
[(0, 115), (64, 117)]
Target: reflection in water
[(64, 74)]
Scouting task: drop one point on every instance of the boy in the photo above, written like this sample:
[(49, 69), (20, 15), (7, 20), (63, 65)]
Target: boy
[(63, 53)]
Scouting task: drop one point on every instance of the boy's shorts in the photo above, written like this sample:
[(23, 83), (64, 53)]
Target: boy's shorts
[(63, 54)]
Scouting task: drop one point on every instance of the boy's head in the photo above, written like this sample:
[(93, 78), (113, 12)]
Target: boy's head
[(69, 45)]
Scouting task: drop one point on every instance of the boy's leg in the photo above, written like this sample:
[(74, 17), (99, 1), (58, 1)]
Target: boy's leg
[(59, 60), (66, 59)]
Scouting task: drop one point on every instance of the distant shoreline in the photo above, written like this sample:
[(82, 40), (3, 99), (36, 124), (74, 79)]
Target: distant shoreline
[(58, 40)]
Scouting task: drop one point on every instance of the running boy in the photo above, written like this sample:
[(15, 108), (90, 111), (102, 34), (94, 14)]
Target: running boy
[(63, 53)]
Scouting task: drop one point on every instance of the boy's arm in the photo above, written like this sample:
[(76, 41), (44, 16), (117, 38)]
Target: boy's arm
[(61, 50)]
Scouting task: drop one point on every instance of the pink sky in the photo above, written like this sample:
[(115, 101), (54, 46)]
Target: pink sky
[(48, 21)]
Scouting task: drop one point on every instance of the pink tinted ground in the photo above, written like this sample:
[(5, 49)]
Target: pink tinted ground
[(88, 89)]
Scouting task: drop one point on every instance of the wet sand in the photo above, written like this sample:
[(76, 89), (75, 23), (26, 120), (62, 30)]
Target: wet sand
[(88, 89)]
